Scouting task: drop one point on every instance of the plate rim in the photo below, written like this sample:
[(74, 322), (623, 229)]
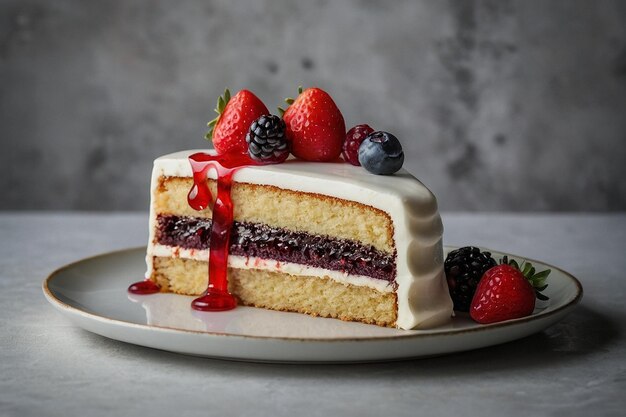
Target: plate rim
[(426, 333)]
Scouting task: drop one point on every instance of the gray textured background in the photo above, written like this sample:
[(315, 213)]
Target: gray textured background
[(500, 105)]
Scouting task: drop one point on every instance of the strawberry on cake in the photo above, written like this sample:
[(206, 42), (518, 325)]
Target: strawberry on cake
[(357, 239)]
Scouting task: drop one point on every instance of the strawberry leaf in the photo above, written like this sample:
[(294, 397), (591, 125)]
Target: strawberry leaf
[(542, 275), (222, 101), (536, 279), (289, 101)]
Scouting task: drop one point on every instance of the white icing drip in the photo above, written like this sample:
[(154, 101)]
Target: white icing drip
[(423, 298)]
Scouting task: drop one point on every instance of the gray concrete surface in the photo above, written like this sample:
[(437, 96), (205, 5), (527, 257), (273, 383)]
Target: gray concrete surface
[(501, 105), (576, 368)]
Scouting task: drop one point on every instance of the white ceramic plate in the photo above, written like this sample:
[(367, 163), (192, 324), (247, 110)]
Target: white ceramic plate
[(92, 294)]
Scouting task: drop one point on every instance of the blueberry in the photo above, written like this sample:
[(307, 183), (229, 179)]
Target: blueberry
[(381, 153)]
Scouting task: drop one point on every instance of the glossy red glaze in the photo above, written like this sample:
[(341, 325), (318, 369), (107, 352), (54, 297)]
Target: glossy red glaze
[(216, 297), (144, 287)]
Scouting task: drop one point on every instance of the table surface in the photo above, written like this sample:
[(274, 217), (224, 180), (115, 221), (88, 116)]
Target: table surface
[(577, 368)]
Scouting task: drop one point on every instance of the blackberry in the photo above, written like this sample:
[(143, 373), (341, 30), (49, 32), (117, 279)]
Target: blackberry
[(464, 268), (266, 139)]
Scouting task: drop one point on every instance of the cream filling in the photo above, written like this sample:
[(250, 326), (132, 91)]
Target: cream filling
[(249, 262)]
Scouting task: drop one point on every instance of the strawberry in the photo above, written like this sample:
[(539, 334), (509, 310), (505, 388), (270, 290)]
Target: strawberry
[(504, 292), (234, 117), (315, 126)]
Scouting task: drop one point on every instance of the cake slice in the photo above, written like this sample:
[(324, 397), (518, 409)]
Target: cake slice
[(326, 239)]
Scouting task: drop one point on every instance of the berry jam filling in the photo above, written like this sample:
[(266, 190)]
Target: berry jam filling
[(262, 241)]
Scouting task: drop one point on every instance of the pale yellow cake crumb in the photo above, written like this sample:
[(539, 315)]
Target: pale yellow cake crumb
[(293, 210), (280, 291)]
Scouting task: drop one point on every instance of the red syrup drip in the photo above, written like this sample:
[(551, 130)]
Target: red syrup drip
[(216, 297), (144, 287)]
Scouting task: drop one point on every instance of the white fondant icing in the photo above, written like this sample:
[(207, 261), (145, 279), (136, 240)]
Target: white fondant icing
[(423, 298)]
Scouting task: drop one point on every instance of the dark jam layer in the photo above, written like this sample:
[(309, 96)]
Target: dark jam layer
[(262, 241)]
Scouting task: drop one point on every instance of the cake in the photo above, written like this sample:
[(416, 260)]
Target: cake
[(273, 218), (327, 239)]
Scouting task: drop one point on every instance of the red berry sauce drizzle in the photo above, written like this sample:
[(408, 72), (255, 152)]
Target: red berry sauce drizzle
[(144, 287), (216, 297)]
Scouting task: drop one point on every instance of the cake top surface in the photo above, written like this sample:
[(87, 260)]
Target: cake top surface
[(338, 179)]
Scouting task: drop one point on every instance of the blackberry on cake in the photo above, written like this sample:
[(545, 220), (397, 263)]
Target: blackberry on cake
[(266, 139)]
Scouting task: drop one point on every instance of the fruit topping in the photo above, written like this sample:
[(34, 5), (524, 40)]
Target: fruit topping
[(381, 153), (234, 117), (354, 138), (315, 126), (507, 292), (266, 139), (464, 268)]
